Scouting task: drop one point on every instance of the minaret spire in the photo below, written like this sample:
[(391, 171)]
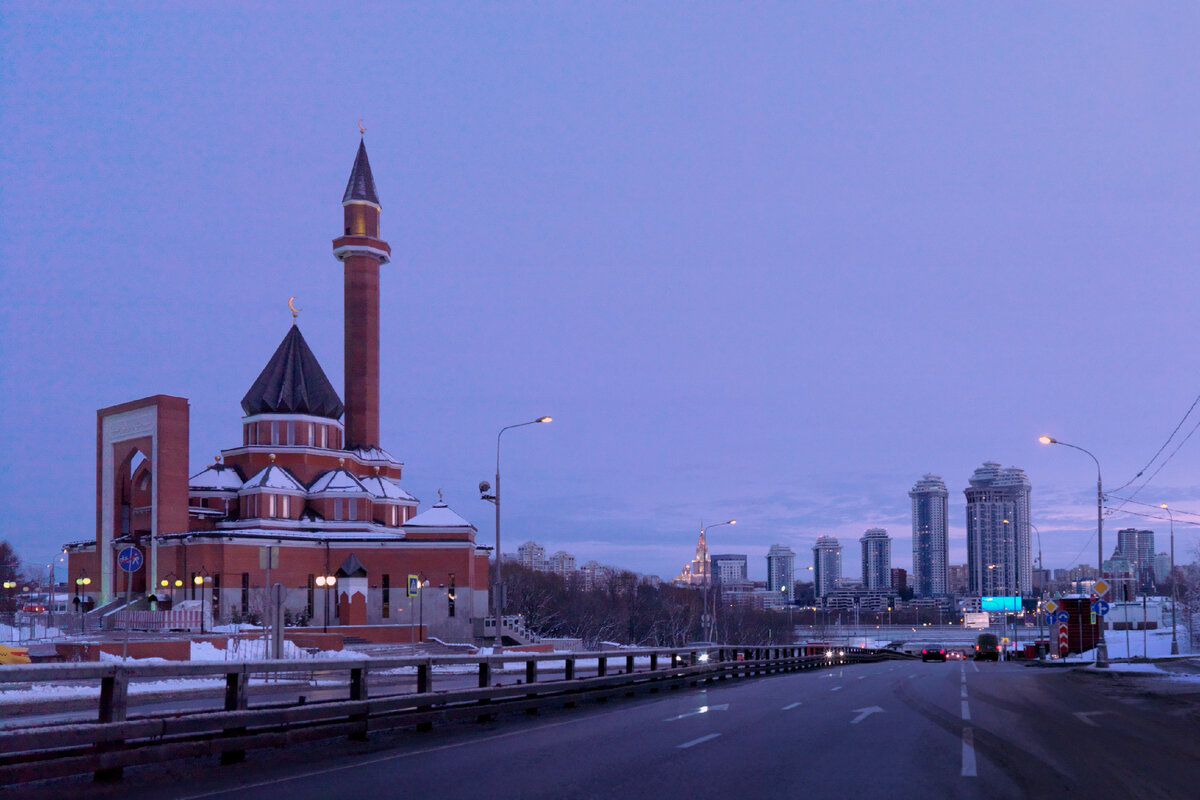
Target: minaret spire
[(361, 252)]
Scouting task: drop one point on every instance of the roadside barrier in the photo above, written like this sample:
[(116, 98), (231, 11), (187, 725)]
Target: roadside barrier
[(116, 741)]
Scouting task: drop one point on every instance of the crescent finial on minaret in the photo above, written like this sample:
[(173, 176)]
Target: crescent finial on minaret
[(292, 306), (361, 130)]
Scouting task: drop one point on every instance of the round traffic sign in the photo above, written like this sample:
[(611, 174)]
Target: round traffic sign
[(129, 559), (1063, 616)]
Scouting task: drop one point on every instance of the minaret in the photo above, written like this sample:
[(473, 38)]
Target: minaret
[(362, 252)]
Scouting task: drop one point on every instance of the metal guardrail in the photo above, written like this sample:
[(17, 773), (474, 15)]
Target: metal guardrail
[(115, 741)]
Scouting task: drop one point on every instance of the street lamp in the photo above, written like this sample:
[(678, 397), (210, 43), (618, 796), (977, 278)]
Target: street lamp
[(201, 580), (327, 582), (1174, 640), (171, 581), (494, 499), (711, 623), (1101, 645), (80, 582)]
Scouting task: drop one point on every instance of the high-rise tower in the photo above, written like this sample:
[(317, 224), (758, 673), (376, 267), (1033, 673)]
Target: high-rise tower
[(930, 500), (781, 563), (998, 554), (361, 251), (876, 559), (827, 565)]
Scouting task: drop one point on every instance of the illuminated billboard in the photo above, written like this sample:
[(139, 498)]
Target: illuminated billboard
[(1001, 604)]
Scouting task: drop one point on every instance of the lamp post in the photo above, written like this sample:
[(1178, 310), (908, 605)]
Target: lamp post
[(494, 499), (171, 581), (1042, 586), (1174, 640), (711, 624), (80, 582), (201, 580), (1101, 645), (327, 582)]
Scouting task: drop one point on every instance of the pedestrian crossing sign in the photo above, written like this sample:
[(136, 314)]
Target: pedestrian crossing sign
[(414, 585)]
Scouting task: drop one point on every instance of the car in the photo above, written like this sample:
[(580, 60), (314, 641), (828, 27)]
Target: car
[(956, 655), (987, 647), (933, 652)]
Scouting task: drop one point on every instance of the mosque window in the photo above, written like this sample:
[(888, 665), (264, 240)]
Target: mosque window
[(270, 505), (274, 433), (286, 506), (353, 504), (337, 508), (311, 437), (291, 433), (324, 436)]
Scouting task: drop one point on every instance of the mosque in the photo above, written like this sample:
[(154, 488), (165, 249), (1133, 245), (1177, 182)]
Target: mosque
[(308, 499)]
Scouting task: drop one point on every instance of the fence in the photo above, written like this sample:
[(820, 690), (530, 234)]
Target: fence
[(115, 741)]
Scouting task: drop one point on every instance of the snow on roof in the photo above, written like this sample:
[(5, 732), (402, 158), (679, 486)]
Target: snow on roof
[(440, 516), (273, 477), (218, 477), (383, 487), (373, 454), (337, 480)]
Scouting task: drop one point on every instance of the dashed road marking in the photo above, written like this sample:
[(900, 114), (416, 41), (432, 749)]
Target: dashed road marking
[(790, 706), (974, 666), (964, 690), (835, 689), (695, 742), (862, 677), (966, 711), (968, 754)]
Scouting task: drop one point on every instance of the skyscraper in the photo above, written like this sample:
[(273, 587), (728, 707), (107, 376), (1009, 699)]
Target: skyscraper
[(930, 500), (781, 563), (728, 568), (876, 559), (532, 555), (999, 561), (827, 565)]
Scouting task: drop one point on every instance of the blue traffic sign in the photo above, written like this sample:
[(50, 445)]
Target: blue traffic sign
[(1051, 619), (1100, 607), (1063, 616), (129, 559)]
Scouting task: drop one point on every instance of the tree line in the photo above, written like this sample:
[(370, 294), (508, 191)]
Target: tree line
[(628, 609)]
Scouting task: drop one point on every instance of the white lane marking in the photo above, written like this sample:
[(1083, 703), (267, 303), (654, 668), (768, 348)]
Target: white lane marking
[(974, 666), (968, 754), (863, 713), (964, 690), (913, 675), (966, 712), (862, 677), (835, 689), (695, 742), (1086, 717), (790, 706), (698, 712)]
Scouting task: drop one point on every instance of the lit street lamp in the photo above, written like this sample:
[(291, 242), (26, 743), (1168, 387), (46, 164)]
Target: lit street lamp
[(80, 594), (202, 579), (1101, 645), (1174, 640), (327, 582), (494, 499)]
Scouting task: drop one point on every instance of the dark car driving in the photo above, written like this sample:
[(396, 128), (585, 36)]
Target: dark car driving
[(933, 652)]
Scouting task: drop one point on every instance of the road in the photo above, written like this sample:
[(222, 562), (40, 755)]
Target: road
[(891, 729)]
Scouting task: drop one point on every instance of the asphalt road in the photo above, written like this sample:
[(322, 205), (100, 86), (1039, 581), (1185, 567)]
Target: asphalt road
[(892, 729)]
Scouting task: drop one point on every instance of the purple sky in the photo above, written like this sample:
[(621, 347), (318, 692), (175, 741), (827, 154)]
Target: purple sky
[(772, 263)]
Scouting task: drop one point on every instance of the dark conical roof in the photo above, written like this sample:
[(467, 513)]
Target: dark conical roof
[(351, 568), (293, 383), (361, 185)]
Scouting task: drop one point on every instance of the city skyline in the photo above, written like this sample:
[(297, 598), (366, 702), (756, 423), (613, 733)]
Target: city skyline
[(704, 243)]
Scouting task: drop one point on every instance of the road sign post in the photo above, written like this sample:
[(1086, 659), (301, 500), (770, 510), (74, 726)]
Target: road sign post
[(1064, 643), (130, 561)]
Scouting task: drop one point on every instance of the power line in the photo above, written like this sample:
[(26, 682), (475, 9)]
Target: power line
[(1163, 447)]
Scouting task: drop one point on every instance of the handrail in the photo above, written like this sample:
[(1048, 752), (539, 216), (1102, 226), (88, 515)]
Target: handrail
[(113, 742)]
